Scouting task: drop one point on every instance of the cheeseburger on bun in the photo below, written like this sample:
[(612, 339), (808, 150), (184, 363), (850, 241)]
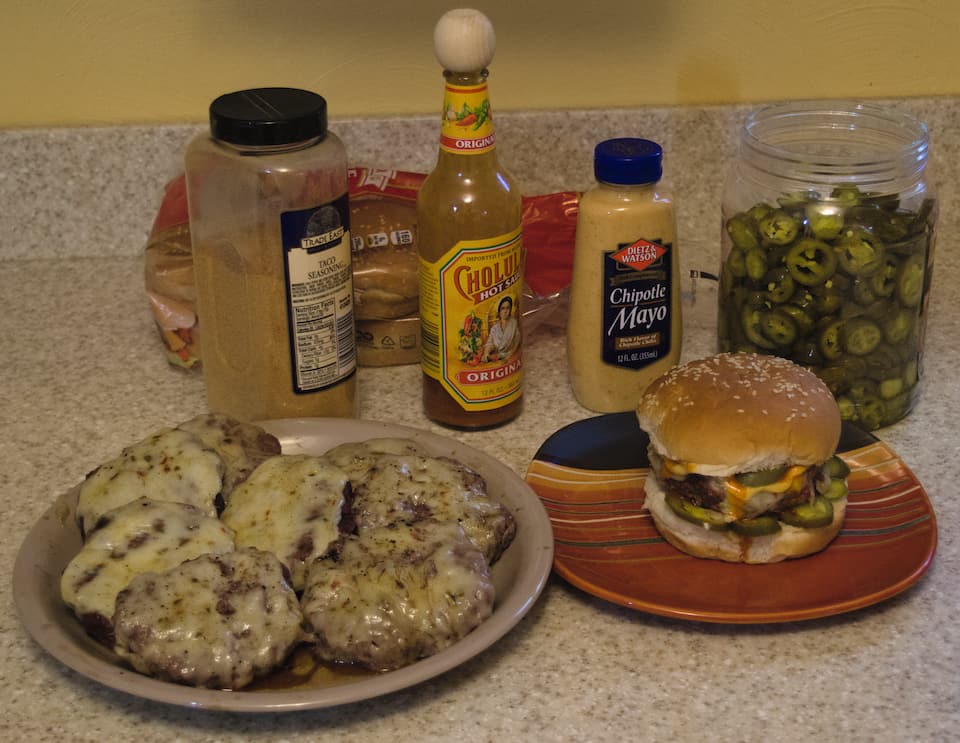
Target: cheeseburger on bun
[(742, 459)]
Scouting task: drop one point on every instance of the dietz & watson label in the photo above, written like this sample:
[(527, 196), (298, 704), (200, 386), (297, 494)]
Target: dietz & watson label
[(470, 321), (637, 309), (319, 287)]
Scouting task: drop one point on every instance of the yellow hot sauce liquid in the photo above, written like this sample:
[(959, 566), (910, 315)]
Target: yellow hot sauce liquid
[(471, 269)]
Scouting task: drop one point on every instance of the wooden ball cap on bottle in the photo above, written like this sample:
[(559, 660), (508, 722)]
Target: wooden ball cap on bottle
[(463, 40)]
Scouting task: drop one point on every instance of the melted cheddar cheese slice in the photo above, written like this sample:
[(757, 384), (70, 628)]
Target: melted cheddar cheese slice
[(739, 494)]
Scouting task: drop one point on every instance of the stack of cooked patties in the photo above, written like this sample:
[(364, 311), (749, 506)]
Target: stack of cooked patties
[(209, 556)]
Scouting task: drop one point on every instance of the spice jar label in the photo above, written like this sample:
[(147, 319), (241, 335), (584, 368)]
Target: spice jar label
[(474, 351), (319, 286), (636, 304)]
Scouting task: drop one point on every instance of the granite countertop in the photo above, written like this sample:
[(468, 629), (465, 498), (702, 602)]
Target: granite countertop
[(83, 375)]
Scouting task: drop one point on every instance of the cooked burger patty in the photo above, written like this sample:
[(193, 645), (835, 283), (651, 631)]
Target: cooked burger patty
[(396, 594), (357, 457), (394, 488), (136, 538), (170, 465), (291, 506), (216, 621), (241, 446)]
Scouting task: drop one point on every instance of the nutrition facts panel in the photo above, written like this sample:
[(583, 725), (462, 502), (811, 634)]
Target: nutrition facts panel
[(320, 302)]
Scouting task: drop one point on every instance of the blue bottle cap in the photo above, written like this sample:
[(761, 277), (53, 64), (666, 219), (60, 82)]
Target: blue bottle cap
[(628, 161)]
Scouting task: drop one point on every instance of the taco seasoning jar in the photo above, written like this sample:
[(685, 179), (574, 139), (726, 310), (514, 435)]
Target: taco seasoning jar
[(829, 222), (269, 221), (625, 326)]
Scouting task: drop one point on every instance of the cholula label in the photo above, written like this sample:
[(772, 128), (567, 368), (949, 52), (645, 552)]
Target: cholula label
[(470, 321)]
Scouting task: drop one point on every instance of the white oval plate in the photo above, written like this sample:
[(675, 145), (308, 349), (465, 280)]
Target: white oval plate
[(519, 577)]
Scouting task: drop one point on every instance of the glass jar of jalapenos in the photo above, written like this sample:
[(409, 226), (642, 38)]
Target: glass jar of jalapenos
[(827, 249)]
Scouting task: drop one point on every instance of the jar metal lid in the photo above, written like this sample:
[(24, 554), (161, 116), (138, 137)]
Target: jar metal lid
[(268, 116), (628, 161)]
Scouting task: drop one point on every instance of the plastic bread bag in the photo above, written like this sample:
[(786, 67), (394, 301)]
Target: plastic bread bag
[(385, 266), (168, 269)]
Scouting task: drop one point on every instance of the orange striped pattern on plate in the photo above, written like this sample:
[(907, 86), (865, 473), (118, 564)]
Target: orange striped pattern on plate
[(607, 545)]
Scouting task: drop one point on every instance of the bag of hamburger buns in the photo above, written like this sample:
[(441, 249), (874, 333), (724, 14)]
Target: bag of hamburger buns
[(383, 234)]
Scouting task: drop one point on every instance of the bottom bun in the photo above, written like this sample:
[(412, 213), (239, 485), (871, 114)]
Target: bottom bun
[(790, 542)]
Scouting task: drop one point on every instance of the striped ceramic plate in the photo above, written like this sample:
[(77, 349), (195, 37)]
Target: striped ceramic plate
[(590, 478)]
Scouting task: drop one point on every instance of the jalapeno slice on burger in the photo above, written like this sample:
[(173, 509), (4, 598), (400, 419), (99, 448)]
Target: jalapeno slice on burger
[(813, 515)]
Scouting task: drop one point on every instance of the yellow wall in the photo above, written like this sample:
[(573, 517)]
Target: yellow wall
[(80, 62)]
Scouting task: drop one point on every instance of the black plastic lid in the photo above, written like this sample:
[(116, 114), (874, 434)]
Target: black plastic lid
[(628, 161), (268, 116)]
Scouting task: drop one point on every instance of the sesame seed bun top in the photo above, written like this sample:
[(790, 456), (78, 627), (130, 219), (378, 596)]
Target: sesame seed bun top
[(740, 412)]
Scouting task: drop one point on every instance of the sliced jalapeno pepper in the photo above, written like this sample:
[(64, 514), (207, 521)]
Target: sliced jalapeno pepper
[(831, 340), (797, 199), (883, 362), (825, 221), (761, 477), (909, 281), (778, 327), (811, 515), (871, 412), (807, 353), (893, 227), (911, 373), (884, 281), (836, 467), (888, 202), (848, 409), (861, 336), (778, 228), (859, 253), (890, 388), (779, 284), (750, 321), (742, 232), (835, 377), (896, 407), (854, 366), (811, 262), (827, 300), (863, 389), (704, 516), (737, 263), (862, 291), (846, 195), (757, 527), (836, 490), (802, 318), (756, 263), (898, 325)]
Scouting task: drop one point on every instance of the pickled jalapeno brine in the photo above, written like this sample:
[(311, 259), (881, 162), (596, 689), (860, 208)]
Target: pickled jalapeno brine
[(828, 242)]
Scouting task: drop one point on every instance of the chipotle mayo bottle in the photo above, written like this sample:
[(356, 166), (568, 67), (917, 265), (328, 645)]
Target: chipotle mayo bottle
[(471, 253), (624, 328)]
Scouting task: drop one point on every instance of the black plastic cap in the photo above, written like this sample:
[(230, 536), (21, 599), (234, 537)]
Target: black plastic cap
[(268, 116)]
